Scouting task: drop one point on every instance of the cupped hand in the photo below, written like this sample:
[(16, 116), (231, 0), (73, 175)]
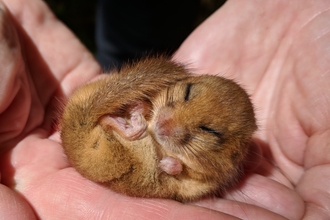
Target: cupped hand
[(279, 51), (42, 63), (276, 49)]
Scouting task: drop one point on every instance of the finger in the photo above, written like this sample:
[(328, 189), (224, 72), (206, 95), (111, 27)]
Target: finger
[(46, 37), (261, 191), (14, 96), (13, 206), (240, 209), (79, 198), (56, 61), (314, 189), (9, 59)]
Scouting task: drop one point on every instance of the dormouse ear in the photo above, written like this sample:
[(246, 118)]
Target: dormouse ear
[(133, 126)]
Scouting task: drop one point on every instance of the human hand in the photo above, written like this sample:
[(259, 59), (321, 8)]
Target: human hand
[(37, 169), (44, 63), (279, 51), (41, 63)]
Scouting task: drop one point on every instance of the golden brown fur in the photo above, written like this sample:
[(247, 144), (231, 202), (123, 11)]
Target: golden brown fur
[(121, 130)]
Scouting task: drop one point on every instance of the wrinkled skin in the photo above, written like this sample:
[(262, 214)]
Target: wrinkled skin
[(278, 50)]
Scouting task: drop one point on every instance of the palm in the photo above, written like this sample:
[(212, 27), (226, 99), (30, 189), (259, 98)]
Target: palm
[(271, 54), (280, 55)]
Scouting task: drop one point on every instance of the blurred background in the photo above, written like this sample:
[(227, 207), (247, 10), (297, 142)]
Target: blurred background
[(81, 17)]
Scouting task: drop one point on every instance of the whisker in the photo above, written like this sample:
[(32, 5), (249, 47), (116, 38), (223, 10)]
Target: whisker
[(198, 154)]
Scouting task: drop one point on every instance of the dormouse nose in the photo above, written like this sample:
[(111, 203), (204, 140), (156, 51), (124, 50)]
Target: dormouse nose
[(165, 123)]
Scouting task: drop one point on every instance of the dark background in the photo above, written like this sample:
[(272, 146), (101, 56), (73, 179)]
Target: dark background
[(79, 16)]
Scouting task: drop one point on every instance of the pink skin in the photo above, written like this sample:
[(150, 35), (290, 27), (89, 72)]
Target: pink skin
[(163, 125), (132, 128), (170, 165), (163, 128), (277, 49)]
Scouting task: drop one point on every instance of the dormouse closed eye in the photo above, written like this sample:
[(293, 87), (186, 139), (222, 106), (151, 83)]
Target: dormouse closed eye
[(211, 131), (187, 93)]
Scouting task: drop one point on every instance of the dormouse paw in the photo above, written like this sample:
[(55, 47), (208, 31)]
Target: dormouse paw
[(133, 127), (170, 165)]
